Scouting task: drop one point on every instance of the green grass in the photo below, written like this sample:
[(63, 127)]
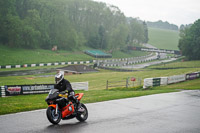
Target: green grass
[(19, 56), (32, 102), (178, 64), (119, 54), (97, 85), (97, 81), (163, 39), (187, 85), (15, 56)]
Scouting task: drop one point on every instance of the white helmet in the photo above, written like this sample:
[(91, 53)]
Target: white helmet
[(59, 77)]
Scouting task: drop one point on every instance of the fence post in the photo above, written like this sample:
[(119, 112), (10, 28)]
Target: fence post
[(127, 82), (3, 94), (107, 85), (140, 81)]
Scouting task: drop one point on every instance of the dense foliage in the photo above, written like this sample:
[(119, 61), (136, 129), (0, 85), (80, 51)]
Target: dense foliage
[(162, 25), (67, 24), (182, 27), (189, 42)]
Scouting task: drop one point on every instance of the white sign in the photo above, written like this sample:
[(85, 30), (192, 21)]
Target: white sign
[(80, 86), (176, 78)]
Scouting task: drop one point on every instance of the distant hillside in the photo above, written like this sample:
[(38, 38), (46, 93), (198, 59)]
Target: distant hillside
[(163, 39), (162, 25)]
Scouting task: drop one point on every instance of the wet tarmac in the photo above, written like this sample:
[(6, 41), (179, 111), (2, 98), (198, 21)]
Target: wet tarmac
[(177, 112), (140, 66)]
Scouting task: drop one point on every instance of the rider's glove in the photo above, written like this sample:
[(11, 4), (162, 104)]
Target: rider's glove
[(71, 94)]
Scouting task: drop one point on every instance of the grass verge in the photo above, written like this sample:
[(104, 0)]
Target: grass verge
[(19, 56), (97, 85), (97, 81), (32, 102), (177, 65)]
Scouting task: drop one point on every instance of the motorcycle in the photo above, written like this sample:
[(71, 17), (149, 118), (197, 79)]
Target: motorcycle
[(59, 107)]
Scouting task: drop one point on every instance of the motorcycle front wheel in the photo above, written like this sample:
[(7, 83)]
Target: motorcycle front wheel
[(82, 116), (52, 116)]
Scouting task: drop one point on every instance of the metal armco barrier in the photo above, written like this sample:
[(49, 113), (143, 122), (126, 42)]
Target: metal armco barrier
[(163, 80), (176, 79), (46, 64), (148, 82), (191, 76), (152, 82)]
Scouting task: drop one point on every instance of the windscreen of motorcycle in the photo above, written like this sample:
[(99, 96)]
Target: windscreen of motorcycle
[(53, 93)]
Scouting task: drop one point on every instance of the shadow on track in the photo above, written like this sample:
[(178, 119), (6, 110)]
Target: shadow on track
[(66, 127)]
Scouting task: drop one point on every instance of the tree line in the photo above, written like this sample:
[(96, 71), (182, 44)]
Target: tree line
[(162, 25), (67, 24), (189, 42)]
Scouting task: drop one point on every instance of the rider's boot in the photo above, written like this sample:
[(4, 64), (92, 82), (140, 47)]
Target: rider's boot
[(79, 108)]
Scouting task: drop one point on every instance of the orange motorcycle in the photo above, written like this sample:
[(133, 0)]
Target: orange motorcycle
[(61, 108)]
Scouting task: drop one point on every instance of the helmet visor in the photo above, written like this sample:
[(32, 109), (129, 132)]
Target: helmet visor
[(58, 79)]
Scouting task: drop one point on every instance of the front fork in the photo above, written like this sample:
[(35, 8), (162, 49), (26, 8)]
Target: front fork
[(56, 109)]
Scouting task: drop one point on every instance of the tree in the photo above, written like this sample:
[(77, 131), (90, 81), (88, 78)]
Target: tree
[(146, 39), (7, 22), (189, 42), (119, 37), (94, 41), (32, 30), (13, 33), (69, 24), (138, 31), (162, 25), (102, 37)]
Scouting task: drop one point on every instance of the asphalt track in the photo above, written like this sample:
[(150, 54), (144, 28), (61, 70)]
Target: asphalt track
[(143, 65), (177, 112)]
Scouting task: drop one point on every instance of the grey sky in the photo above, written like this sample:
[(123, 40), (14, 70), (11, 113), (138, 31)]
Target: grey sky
[(174, 11)]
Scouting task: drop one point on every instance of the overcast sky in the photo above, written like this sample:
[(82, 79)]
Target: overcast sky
[(174, 11)]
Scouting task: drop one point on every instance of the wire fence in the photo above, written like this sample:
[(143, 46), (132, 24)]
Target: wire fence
[(127, 82)]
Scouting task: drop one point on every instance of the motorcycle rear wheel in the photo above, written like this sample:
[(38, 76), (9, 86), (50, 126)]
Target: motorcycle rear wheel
[(84, 115), (52, 117)]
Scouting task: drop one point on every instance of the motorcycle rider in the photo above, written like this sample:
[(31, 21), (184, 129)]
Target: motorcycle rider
[(64, 85)]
